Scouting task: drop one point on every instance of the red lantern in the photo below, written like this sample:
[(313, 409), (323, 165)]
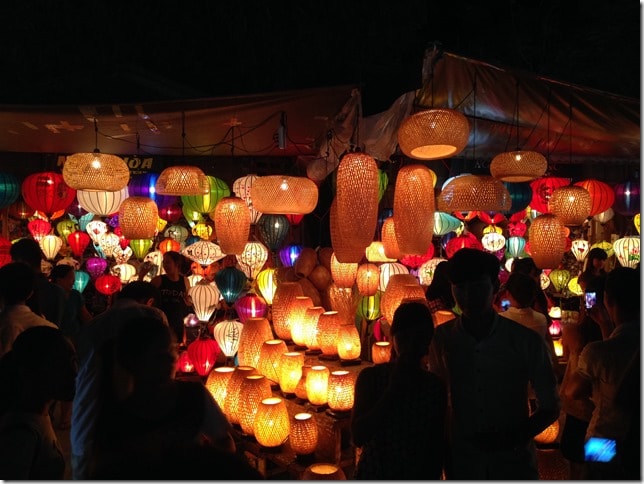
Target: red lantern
[(294, 218), (203, 353), (47, 192), (107, 284), (5, 246), (415, 261), (169, 244), (184, 363), (78, 242), (491, 218), (542, 189), (20, 210), (38, 228), (466, 240), (123, 242), (602, 196), (250, 306), (171, 213)]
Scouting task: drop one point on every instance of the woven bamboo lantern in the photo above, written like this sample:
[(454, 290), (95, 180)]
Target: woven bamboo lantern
[(231, 404), (232, 222), (348, 345), (320, 277), (328, 327), (549, 434), (474, 192), (579, 248), (50, 245), (252, 259), (182, 180), (367, 279), (357, 188), (343, 274), (345, 249), (267, 284), (395, 294), (217, 383), (310, 327), (389, 269), (271, 426), (433, 134), (317, 384), (295, 318), (254, 389), (281, 194), (138, 218), (627, 251), (290, 371), (389, 239), (602, 195), (304, 433), (344, 301), (323, 471), (571, 204), (284, 295), (441, 316), (376, 252), (547, 236), (96, 171), (380, 352), (300, 389), (305, 261), (340, 392), (270, 355), (242, 187), (414, 209), (256, 331), (518, 166)]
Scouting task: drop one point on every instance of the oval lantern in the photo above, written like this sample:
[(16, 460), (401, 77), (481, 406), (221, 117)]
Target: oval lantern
[(227, 334), (140, 247), (289, 254), (627, 198), (172, 213), (547, 237), (81, 279), (426, 271), (572, 204), (144, 185), (559, 279), (177, 232), (232, 223), (9, 189), (50, 245), (369, 307), (250, 306), (169, 245), (242, 188), (217, 189), (368, 279), (520, 194), (252, 259), (205, 299), (231, 282), (101, 202), (579, 248), (138, 218), (542, 189), (601, 194), (66, 227), (47, 192), (273, 229), (203, 353), (20, 210), (38, 228), (627, 251), (95, 266), (107, 284), (78, 242), (515, 246), (267, 284), (459, 242)]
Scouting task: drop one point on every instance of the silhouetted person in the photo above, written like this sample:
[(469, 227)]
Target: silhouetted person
[(595, 262), (398, 416), (488, 361), (39, 369), (439, 292)]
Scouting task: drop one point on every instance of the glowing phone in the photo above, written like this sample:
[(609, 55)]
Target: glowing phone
[(597, 449), (505, 304), (591, 299)]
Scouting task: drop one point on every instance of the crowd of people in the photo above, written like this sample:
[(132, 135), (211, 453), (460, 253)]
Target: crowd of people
[(459, 400)]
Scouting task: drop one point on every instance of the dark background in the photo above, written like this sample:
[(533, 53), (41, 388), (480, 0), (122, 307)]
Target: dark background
[(91, 52)]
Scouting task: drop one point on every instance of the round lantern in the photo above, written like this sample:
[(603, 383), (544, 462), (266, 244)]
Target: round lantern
[(38, 228), (267, 284), (108, 242), (250, 306), (601, 194), (138, 218), (317, 384), (289, 254), (182, 181), (323, 471), (271, 426), (304, 434), (256, 331), (389, 269), (426, 270), (95, 266), (340, 391), (144, 185), (125, 272), (542, 190), (547, 236), (169, 244), (171, 213), (459, 242), (627, 251), (101, 202), (107, 284), (204, 252), (367, 279), (518, 166), (66, 227), (203, 353), (9, 189), (227, 333), (50, 245), (217, 383), (47, 192), (474, 192), (493, 241), (254, 389), (205, 299), (230, 281), (140, 247), (273, 229), (445, 223), (574, 287), (559, 279), (177, 232), (433, 134), (571, 204), (369, 307), (281, 194), (414, 261), (252, 258), (20, 210), (81, 279), (232, 223), (515, 246), (242, 188), (627, 198), (96, 171)]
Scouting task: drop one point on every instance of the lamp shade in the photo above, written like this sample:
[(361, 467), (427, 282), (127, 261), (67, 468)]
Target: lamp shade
[(227, 334), (340, 392), (281, 194), (601, 194), (271, 426), (270, 355), (96, 171), (518, 166), (433, 134), (205, 299), (182, 181), (571, 204), (304, 433), (380, 352), (203, 353), (102, 202), (141, 247), (414, 209), (9, 189), (547, 237), (284, 295), (107, 284), (317, 384), (348, 344), (290, 370), (520, 194), (515, 246), (233, 397), (310, 327), (138, 218), (344, 248), (343, 273), (627, 251), (367, 279), (267, 284), (231, 282), (328, 328), (254, 389), (542, 189), (252, 258), (217, 383), (256, 331), (47, 192), (389, 239), (474, 192), (323, 471), (50, 245), (295, 318), (232, 223), (81, 279)]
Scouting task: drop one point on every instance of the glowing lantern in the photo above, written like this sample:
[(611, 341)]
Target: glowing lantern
[(389, 269), (176, 232), (184, 365), (290, 370), (107, 284), (343, 273), (144, 185), (601, 194), (270, 355), (231, 404), (284, 295), (280, 194), (95, 229), (549, 434), (232, 221), (542, 190), (627, 198), (252, 259), (459, 242), (50, 245), (340, 391), (47, 192), (295, 318), (520, 194), (203, 252), (317, 384), (227, 333), (205, 299), (579, 248), (605, 246), (445, 223), (627, 250), (66, 227), (414, 209), (515, 246), (574, 287), (5, 246), (394, 295), (426, 270), (217, 189), (310, 327), (324, 471), (493, 241), (95, 266), (559, 278), (571, 204), (273, 229), (138, 218), (348, 345), (289, 254), (81, 279), (140, 247), (376, 252), (203, 353), (20, 210), (267, 284), (217, 383), (369, 307), (125, 272), (547, 241), (254, 389), (256, 331), (169, 244), (636, 222), (328, 328), (380, 352), (250, 306), (389, 240), (304, 434), (242, 188), (38, 228), (108, 242), (101, 202), (271, 427), (367, 279), (414, 261), (231, 282)]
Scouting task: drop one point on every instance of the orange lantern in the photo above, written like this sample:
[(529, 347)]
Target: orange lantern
[(217, 383), (310, 327), (367, 279), (284, 295), (317, 384), (380, 352), (328, 328), (414, 209), (232, 222), (271, 426), (340, 392), (256, 331), (304, 433), (343, 273), (602, 195), (232, 401), (270, 355), (254, 389), (547, 241), (170, 245), (348, 345), (295, 317), (290, 370)]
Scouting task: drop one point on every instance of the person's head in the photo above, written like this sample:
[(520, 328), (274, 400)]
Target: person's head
[(526, 265), (173, 263), (440, 286), (145, 347), (412, 329), (40, 367), (141, 291), (63, 275), (596, 259), (17, 283), (474, 276), (28, 251), (522, 288), (622, 294)]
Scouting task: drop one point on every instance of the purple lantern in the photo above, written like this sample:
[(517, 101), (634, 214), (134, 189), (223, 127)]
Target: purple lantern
[(627, 198), (250, 306), (289, 254), (144, 185), (95, 266)]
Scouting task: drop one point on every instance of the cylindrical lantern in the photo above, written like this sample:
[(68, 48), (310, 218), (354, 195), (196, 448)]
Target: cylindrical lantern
[(205, 298), (281, 194), (233, 397), (232, 223), (252, 259), (414, 209), (317, 384), (328, 328), (344, 301), (380, 352), (271, 426), (203, 353), (267, 284), (394, 290), (217, 383), (343, 273), (295, 318), (284, 295), (227, 333), (50, 245), (340, 391), (101, 202), (310, 327), (547, 236), (389, 239), (304, 433), (256, 332), (571, 204), (270, 355), (348, 345), (242, 188), (138, 218), (627, 251), (345, 249), (290, 370), (323, 471), (273, 229), (254, 389)]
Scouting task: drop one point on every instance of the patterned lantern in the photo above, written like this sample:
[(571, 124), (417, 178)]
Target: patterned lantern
[(267, 284), (627, 198), (144, 185), (96, 228), (256, 331), (290, 370), (271, 427), (559, 279), (474, 192), (270, 355), (340, 392), (47, 192), (273, 229), (304, 433), (250, 306), (96, 171), (95, 266), (281, 194), (108, 242), (203, 252), (254, 389), (579, 249), (387, 270), (217, 383), (343, 274), (345, 249), (605, 246), (328, 328), (380, 352), (101, 202), (426, 271), (394, 295), (367, 279), (231, 282), (547, 236), (50, 245), (125, 272), (493, 241), (601, 194), (376, 251), (348, 345), (205, 299), (242, 188), (138, 218), (38, 228), (227, 333), (233, 397), (177, 232), (343, 300), (433, 134), (549, 434), (66, 227), (295, 318), (310, 327), (414, 209), (107, 284), (627, 250), (9, 189), (317, 384), (140, 247), (182, 180), (572, 204), (203, 353), (252, 259), (232, 222), (455, 244), (284, 295), (542, 190)]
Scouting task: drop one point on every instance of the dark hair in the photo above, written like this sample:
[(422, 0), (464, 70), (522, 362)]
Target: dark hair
[(60, 271), (623, 289), (596, 253), (182, 262), (523, 288), (526, 265), (28, 251), (137, 334), (17, 282), (140, 291), (413, 328), (472, 264), (440, 287)]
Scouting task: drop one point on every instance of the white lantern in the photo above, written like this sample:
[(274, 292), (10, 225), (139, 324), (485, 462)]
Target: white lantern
[(227, 334), (205, 299), (627, 250), (252, 259), (101, 202), (50, 245)]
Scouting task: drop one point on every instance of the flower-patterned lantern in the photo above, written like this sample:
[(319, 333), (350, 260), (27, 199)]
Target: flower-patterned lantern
[(107, 284), (108, 242), (242, 188), (203, 353), (252, 259), (627, 251), (493, 241), (38, 228), (47, 192), (50, 245), (95, 229), (426, 270)]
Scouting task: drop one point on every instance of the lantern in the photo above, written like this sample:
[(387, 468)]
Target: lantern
[(459, 242), (205, 299), (414, 209), (272, 229), (171, 213), (271, 426), (571, 204), (252, 258), (176, 232), (574, 287), (340, 391), (474, 192), (542, 190), (138, 218), (81, 279), (433, 134), (232, 221), (144, 185), (242, 188), (627, 198), (348, 344), (579, 249), (96, 171), (380, 352), (254, 389), (270, 355), (9, 189), (601, 194), (107, 284), (125, 272), (345, 249), (267, 284), (217, 383), (182, 180), (375, 252), (38, 228), (184, 365), (389, 269), (227, 333), (281, 194), (317, 384), (290, 371), (231, 282), (323, 471), (289, 254), (300, 389), (445, 223), (627, 250), (414, 261), (203, 353), (367, 279), (284, 295), (493, 242), (310, 327), (108, 242), (95, 266), (140, 247), (549, 434), (605, 246), (5, 247), (203, 252), (518, 166), (636, 222), (369, 307), (394, 295), (328, 328), (295, 318), (559, 278), (256, 331), (47, 192), (101, 202), (426, 271), (232, 401), (96, 228), (343, 301), (520, 194), (304, 433), (343, 274), (250, 306), (169, 244), (515, 246), (547, 241)]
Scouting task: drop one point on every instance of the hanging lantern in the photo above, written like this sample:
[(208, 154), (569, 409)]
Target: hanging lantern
[(548, 435), (171, 213), (281, 194), (205, 299), (383, 182), (574, 287), (96, 171), (627, 250), (95, 266), (579, 249), (230, 281), (66, 227), (542, 190), (203, 353), (144, 185), (271, 427), (387, 270), (571, 204), (515, 246), (140, 247), (202, 230), (394, 295), (242, 188), (445, 223), (270, 355), (340, 390), (547, 238), (369, 307), (232, 221), (317, 384), (343, 274), (203, 252), (518, 166), (108, 242), (348, 345), (493, 242), (184, 365), (284, 295), (389, 239), (290, 371), (426, 270), (273, 229), (289, 254), (605, 246), (254, 389), (138, 218), (627, 198), (346, 250), (217, 383), (459, 242), (376, 252), (559, 279), (250, 306), (182, 180), (81, 279), (252, 259), (125, 272), (636, 222), (95, 229), (520, 194), (310, 327), (433, 134), (380, 352), (267, 284), (5, 247), (9, 189), (47, 192), (328, 328), (50, 245), (474, 192), (601, 194), (20, 210), (414, 209), (415, 261), (170, 245), (227, 333), (38, 228), (367, 279), (295, 318), (101, 202), (304, 433), (107, 284), (232, 403), (256, 331), (605, 216)]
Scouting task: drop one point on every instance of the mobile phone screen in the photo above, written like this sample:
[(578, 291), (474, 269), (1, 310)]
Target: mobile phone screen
[(505, 304), (597, 449), (591, 299)]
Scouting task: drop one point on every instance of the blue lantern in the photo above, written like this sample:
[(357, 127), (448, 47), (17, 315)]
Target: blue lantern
[(81, 279), (520, 194), (231, 282), (144, 185), (273, 229), (9, 189)]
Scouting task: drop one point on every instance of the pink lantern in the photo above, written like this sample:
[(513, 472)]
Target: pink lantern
[(250, 306), (95, 266)]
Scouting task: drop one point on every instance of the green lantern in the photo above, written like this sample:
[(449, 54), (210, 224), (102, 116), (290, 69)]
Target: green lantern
[(369, 306), (217, 190), (559, 278), (140, 247), (383, 182)]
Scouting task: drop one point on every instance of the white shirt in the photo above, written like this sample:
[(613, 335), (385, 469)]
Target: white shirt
[(14, 320)]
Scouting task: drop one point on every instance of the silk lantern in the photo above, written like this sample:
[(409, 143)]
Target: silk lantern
[(107, 284), (304, 433), (445, 223), (426, 271), (627, 251), (227, 333), (289, 254), (250, 305), (627, 198), (520, 195), (252, 259), (140, 247), (254, 389), (601, 194), (170, 245), (579, 248), (232, 222), (203, 252), (144, 185), (271, 426), (66, 227), (38, 228), (50, 245), (205, 299), (125, 272), (542, 190), (203, 353), (559, 278), (231, 282), (273, 229), (5, 247), (102, 202), (47, 192), (96, 228), (369, 307), (95, 266), (9, 189), (267, 284), (256, 331), (389, 269)]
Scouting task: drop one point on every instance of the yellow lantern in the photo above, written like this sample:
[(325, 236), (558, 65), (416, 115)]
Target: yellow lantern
[(636, 222), (340, 391), (231, 404), (380, 352), (202, 230), (254, 389), (559, 278), (574, 287), (295, 318), (285, 294), (304, 433), (271, 426), (270, 355), (50, 245), (290, 370), (267, 284), (348, 345), (317, 384), (310, 327), (217, 383), (627, 250)]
